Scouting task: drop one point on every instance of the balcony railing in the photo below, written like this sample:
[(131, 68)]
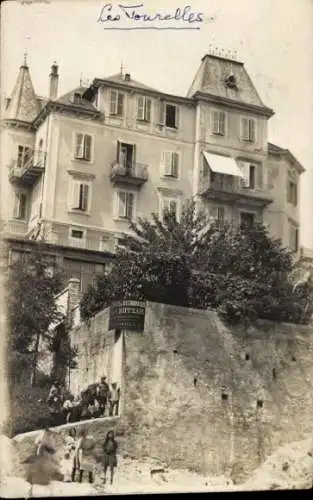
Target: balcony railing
[(88, 243), (30, 170), (231, 188), (134, 174), (15, 228)]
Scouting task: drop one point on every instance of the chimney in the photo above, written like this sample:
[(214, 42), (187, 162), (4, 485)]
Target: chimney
[(54, 81)]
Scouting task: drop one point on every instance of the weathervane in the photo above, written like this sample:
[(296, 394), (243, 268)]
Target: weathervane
[(27, 38)]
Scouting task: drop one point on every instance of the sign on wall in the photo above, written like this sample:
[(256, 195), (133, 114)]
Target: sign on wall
[(127, 315)]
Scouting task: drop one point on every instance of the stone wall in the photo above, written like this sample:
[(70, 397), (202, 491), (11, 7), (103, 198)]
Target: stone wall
[(198, 394)]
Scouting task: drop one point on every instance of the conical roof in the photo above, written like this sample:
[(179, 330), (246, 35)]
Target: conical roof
[(23, 104)]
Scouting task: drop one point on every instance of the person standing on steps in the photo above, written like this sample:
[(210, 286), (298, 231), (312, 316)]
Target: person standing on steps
[(85, 459), (102, 394), (114, 400), (109, 454)]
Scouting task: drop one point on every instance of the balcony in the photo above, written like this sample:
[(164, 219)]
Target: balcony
[(95, 244), (29, 172), (230, 189), (135, 174)]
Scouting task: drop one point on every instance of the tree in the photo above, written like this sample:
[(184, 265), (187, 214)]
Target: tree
[(237, 270), (34, 280)]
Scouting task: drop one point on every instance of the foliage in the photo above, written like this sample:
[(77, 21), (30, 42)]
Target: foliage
[(237, 270), (34, 281)]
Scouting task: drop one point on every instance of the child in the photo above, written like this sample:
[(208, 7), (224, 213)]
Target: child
[(67, 467), (109, 454)]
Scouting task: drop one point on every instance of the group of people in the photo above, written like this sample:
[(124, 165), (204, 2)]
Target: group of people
[(78, 458), (98, 400)]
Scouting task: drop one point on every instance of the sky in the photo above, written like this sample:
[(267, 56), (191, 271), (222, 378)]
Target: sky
[(274, 39)]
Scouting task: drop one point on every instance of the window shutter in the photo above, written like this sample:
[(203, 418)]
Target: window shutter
[(167, 161), (295, 195), (259, 174), (296, 239), (27, 155), (17, 205), (252, 130), (123, 156), (175, 160), (79, 146), (129, 205), (118, 149), (134, 155), (140, 108), (113, 102), (161, 112), (20, 156), (121, 204), (148, 110), (120, 103), (75, 195), (246, 173), (244, 129), (87, 147), (214, 122), (85, 194), (288, 191), (177, 116), (222, 123)]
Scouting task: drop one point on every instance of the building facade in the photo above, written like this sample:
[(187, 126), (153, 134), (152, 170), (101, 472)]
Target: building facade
[(77, 168)]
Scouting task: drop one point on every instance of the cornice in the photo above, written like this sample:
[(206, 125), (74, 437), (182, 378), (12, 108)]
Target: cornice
[(230, 103)]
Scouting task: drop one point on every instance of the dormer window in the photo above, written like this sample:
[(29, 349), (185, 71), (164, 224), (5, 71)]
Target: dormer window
[(77, 97), (231, 82)]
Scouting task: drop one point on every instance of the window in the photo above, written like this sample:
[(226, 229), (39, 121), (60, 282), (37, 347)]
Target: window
[(247, 219), (23, 155), (125, 154), (170, 205), (248, 129), (170, 163), (126, 205), (20, 207), (252, 175), (218, 213), (293, 237), (143, 108), (218, 122), (168, 115), (83, 147), (292, 193), (80, 196), (117, 103), (77, 234)]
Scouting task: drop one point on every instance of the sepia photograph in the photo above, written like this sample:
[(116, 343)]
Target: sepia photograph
[(156, 195)]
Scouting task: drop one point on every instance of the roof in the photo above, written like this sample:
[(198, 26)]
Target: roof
[(120, 78), (275, 150), (68, 99), (210, 79), (23, 105)]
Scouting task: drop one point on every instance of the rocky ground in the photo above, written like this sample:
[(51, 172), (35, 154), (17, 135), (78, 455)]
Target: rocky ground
[(291, 467)]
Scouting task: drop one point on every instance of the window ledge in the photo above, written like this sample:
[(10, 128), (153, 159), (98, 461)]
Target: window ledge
[(82, 160), (123, 219), (79, 212), (82, 175), (172, 177)]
